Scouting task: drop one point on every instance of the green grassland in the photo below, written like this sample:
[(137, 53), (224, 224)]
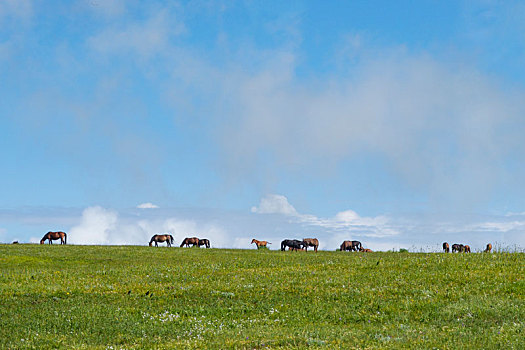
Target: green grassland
[(123, 297)]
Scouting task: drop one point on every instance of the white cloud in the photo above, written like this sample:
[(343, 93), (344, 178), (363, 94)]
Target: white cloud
[(350, 222), (347, 221), (147, 206), (347, 216), (144, 39), (503, 226), (102, 226), (97, 226), (443, 129), (274, 204)]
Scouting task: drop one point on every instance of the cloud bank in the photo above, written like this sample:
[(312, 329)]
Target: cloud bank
[(101, 226), (104, 226)]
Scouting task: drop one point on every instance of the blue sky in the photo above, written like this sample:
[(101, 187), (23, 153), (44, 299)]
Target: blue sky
[(396, 123)]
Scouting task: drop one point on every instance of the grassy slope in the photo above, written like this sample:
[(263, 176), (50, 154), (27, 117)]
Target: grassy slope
[(95, 297)]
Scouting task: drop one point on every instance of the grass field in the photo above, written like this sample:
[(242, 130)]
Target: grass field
[(113, 297)]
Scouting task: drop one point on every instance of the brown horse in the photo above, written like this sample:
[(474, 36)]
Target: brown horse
[(446, 248), (260, 244), (296, 249), (489, 248), (466, 249), (160, 239), (354, 246), (310, 242), (190, 240), (366, 250), (205, 242), (62, 236)]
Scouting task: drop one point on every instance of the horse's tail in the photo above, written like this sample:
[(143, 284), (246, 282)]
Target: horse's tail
[(268, 242), (171, 239), (65, 238)]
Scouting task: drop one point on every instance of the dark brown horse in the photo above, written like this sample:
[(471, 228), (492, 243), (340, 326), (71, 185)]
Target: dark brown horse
[(160, 239), (446, 248), (457, 248), (62, 236), (311, 242), (190, 240), (260, 244), (205, 242), (353, 246), (489, 248)]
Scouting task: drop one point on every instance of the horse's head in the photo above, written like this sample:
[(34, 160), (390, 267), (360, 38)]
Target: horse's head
[(253, 241)]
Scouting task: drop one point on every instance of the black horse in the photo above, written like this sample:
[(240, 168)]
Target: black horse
[(292, 243), (205, 242), (458, 248)]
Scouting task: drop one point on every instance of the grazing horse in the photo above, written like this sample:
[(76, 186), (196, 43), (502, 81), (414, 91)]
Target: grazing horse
[(311, 242), (190, 240), (457, 248), (366, 250), (489, 248), (260, 244), (292, 243), (161, 238), (205, 242), (466, 249), (354, 246), (62, 236), (446, 248)]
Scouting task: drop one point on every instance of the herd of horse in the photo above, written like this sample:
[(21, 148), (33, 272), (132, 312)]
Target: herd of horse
[(295, 245), (291, 244), (193, 241), (462, 248)]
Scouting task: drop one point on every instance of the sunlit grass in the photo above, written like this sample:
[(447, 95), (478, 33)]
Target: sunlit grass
[(145, 297)]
